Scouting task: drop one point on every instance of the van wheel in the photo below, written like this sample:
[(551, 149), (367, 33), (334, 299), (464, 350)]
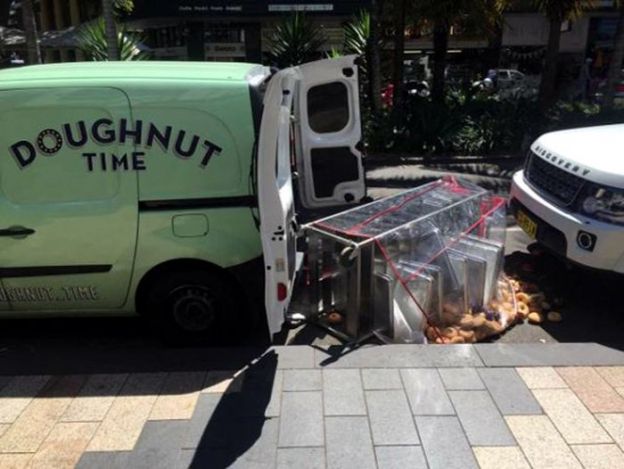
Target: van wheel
[(193, 307)]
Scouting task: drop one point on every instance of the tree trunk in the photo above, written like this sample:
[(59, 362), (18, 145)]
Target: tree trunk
[(111, 30), (440, 46), (399, 49), (374, 63), (549, 72), (615, 68), (30, 30)]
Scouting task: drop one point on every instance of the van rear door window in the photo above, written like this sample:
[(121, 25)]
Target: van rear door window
[(328, 107)]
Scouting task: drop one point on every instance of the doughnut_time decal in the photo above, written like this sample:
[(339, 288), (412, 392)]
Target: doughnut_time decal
[(102, 132)]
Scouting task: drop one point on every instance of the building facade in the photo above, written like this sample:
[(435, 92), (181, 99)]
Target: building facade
[(235, 30)]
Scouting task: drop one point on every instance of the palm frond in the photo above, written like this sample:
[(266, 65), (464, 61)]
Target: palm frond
[(92, 41)]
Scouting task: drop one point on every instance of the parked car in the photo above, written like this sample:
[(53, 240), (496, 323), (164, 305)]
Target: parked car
[(570, 195), (509, 78)]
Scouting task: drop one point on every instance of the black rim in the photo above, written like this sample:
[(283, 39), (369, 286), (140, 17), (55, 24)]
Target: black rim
[(194, 307)]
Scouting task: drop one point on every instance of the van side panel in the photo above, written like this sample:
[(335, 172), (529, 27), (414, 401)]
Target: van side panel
[(196, 199)]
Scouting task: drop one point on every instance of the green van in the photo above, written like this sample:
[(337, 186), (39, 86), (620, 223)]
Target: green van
[(165, 189)]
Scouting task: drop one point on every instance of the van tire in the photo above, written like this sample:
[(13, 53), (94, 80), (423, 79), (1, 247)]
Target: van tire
[(193, 307)]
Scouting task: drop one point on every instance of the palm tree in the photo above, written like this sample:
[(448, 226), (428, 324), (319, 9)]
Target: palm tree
[(556, 11), (111, 29), (615, 68), (93, 41), (294, 40), (30, 29)]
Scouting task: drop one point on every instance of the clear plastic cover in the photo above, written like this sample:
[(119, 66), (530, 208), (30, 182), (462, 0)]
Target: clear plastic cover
[(435, 267)]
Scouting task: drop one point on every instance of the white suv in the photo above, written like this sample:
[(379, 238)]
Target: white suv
[(570, 195)]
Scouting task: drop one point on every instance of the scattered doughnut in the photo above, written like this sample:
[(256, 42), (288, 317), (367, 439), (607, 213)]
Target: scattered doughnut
[(457, 340), (523, 297), (334, 317), (449, 332), (554, 316), (466, 322), (478, 320), (535, 317), (523, 309)]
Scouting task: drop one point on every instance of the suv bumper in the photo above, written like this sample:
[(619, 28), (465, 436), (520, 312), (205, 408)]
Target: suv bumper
[(559, 230)]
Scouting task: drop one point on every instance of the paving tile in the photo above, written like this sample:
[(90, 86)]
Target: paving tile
[(301, 356), (425, 392), (461, 379), (541, 442), (482, 422), (104, 460), (64, 445), (401, 356), (380, 378), (620, 391), (445, 443), (95, 398), (501, 457), (544, 377), (400, 457), (178, 396), (37, 420), (4, 427), (343, 393), (349, 443), (301, 458), (509, 391), (154, 458), (167, 434), (614, 375), (17, 394), (390, 418), (575, 423), (570, 354), (125, 419), (223, 381), (599, 456), (592, 389), (614, 424), (15, 461), (301, 422), (302, 380)]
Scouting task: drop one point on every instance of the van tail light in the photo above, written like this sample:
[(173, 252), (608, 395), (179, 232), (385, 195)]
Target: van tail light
[(282, 291)]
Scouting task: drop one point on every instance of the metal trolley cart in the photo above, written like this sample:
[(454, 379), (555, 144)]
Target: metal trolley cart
[(428, 256)]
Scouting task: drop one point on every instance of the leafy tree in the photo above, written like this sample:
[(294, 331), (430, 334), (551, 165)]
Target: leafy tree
[(30, 30), (94, 42), (294, 40), (615, 68), (557, 11)]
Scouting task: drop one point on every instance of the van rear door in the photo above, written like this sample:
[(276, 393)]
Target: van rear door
[(329, 161), (275, 196)]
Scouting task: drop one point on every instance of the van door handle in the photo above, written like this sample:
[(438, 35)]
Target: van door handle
[(16, 231)]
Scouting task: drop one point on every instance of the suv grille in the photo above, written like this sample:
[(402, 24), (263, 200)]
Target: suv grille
[(559, 185)]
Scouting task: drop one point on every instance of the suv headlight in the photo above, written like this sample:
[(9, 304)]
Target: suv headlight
[(603, 203)]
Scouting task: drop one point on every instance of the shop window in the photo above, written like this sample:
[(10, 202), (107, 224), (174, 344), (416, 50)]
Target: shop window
[(328, 107)]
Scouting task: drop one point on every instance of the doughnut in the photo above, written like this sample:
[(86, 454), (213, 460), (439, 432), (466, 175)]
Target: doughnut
[(478, 320), (457, 340), (523, 309), (466, 322), (525, 298), (334, 317), (469, 336), (442, 340), (492, 327), (554, 316), (535, 317), (432, 333), (449, 332), (545, 305)]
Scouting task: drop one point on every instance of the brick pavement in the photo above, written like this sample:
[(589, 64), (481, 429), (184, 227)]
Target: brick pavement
[(489, 405)]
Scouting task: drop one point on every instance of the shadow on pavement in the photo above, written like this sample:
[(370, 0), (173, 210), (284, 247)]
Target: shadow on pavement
[(240, 419)]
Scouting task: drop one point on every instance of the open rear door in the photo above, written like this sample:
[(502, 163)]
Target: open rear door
[(275, 196), (329, 133)]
